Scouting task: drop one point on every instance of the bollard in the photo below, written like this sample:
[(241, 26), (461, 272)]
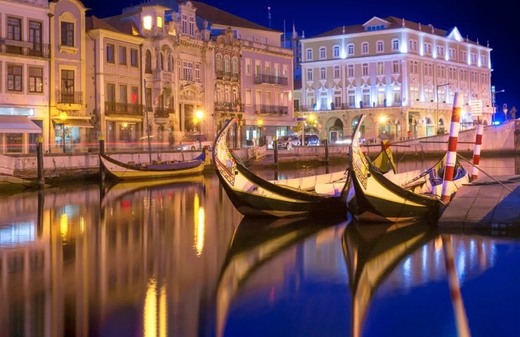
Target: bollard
[(39, 162)]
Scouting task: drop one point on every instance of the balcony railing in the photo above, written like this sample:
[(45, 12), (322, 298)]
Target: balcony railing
[(271, 79), (227, 106), (67, 97), (163, 112), (27, 48), (112, 108), (271, 109)]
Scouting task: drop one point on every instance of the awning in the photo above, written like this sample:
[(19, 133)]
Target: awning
[(18, 124), (79, 123)]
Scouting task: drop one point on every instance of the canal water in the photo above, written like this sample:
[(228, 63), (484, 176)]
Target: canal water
[(176, 259)]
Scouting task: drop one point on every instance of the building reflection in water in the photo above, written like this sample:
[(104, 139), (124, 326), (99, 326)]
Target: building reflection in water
[(148, 260)]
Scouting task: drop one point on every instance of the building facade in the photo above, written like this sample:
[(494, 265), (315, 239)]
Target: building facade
[(402, 74)]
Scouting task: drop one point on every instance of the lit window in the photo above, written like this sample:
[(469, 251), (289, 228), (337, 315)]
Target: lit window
[(147, 22), (159, 21)]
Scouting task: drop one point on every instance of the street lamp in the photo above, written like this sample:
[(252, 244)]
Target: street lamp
[(437, 111), (63, 119), (199, 115), (493, 102)]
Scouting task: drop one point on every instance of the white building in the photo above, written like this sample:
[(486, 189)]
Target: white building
[(401, 73)]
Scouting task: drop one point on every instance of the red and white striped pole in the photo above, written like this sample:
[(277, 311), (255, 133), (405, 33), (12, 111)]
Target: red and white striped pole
[(476, 151), (451, 156)]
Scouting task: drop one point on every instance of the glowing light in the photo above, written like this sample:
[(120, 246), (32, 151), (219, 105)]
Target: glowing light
[(382, 119), (150, 310), (147, 22), (64, 226), (199, 226), (159, 21), (163, 313)]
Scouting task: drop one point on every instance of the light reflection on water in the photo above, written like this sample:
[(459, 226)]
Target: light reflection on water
[(176, 259)]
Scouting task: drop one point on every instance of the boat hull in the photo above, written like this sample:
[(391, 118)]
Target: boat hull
[(124, 171), (255, 196)]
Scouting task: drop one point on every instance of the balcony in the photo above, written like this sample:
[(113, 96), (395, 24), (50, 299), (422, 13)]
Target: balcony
[(271, 79), (264, 109), (123, 109), (69, 100), (25, 48), (163, 112), (227, 106)]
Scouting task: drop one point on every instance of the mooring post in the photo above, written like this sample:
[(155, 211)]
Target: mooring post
[(39, 161), (326, 143), (101, 151)]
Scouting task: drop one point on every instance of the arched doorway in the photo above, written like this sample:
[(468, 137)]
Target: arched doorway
[(334, 130)]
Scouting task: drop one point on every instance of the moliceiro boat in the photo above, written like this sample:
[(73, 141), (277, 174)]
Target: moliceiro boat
[(377, 198), (128, 171), (254, 196)]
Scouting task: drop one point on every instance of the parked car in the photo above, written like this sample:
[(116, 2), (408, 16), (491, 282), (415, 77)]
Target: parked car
[(311, 140), (194, 142), (286, 142)]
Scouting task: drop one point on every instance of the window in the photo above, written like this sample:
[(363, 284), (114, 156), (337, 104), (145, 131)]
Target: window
[(67, 34), (451, 52), (350, 49), (309, 54), (366, 98), (196, 73), (159, 22), (187, 71), (396, 67), (323, 74), (147, 22), (380, 68), (336, 72), (111, 93), (380, 46), (123, 94), (351, 98), (134, 58), (427, 48), (248, 96), (395, 45), (364, 48), (234, 65), (323, 53), (350, 70), (35, 80), (365, 69), (122, 55), (134, 98), (110, 53), (14, 77), (148, 62), (35, 37), (14, 29), (412, 45), (335, 51), (248, 66), (309, 74), (440, 51), (67, 85), (192, 26)]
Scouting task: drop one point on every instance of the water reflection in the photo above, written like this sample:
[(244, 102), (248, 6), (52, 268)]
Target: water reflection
[(255, 242), (176, 259)]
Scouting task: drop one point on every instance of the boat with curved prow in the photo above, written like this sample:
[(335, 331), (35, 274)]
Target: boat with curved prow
[(127, 171), (254, 196), (378, 199)]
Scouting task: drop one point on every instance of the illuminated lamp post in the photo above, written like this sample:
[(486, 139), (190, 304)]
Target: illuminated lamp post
[(199, 116), (63, 119), (437, 110), (381, 121)]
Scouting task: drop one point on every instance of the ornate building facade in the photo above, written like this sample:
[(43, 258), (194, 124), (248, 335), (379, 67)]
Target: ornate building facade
[(401, 73)]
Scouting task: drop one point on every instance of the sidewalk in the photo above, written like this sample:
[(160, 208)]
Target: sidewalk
[(485, 204)]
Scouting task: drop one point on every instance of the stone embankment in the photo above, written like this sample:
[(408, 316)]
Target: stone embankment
[(497, 140)]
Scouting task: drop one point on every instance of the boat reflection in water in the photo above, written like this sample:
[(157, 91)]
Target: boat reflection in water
[(256, 241), (372, 251), (168, 260)]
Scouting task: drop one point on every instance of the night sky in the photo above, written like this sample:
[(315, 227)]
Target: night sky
[(495, 23)]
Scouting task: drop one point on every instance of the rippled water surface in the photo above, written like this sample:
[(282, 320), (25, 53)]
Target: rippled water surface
[(163, 258)]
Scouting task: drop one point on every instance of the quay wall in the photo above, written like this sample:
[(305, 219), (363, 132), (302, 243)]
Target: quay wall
[(496, 140)]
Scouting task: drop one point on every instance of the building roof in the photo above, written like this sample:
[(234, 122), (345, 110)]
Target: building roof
[(392, 23), (217, 16)]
